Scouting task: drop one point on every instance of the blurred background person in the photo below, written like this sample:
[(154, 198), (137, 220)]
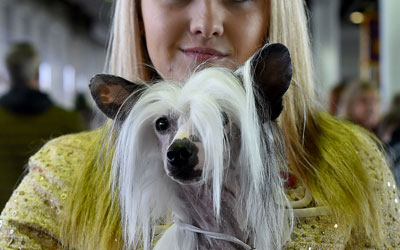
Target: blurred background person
[(389, 132), (28, 117), (334, 97), (360, 104), (82, 107)]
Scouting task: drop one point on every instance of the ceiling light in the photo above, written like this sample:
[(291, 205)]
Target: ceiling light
[(357, 17)]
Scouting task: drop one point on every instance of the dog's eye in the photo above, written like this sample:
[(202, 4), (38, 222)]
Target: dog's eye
[(162, 124)]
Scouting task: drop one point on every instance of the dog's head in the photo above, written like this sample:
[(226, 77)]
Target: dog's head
[(181, 147), (176, 126)]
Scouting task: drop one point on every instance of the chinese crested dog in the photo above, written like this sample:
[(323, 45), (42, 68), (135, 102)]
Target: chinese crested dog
[(204, 155)]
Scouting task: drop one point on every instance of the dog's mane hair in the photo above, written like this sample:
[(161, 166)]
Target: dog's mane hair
[(147, 195)]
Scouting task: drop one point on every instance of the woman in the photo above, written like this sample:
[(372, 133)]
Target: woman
[(342, 192), (360, 104)]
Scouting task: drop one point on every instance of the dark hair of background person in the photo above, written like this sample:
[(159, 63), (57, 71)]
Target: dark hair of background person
[(28, 117), (82, 107), (334, 97), (389, 132)]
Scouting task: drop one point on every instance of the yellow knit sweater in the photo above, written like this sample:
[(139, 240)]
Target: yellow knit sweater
[(31, 219)]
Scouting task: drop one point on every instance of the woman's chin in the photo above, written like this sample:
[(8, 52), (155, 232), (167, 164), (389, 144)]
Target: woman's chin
[(188, 66)]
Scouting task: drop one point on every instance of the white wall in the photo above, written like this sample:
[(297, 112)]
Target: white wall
[(350, 52), (325, 25), (63, 49), (390, 50), (3, 45)]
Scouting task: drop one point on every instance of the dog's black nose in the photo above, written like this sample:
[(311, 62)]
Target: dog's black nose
[(178, 155), (182, 154)]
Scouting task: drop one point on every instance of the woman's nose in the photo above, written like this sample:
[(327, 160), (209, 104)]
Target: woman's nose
[(207, 19)]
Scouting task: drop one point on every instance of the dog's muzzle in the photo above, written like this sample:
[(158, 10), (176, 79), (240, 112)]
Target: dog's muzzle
[(182, 160)]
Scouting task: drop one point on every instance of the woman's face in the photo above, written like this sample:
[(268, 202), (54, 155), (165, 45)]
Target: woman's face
[(364, 109), (181, 34)]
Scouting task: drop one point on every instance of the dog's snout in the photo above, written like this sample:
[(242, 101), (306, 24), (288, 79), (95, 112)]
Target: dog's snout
[(178, 155), (183, 161), (182, 153)]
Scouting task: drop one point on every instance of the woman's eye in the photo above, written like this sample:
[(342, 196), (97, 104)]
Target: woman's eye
[(176, 2), (239, 1), (162, 124)]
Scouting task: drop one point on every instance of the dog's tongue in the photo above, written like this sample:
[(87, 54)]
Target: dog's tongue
[(289, 179)]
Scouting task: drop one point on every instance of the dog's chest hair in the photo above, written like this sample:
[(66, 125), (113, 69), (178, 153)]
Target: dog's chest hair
[(200, 211)]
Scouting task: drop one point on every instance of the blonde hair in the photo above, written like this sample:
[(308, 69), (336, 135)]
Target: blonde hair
[(323, 158), (321, 150), (91, 218), (126, 55)]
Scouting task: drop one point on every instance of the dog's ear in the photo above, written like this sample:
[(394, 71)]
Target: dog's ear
[(109, 92), (272, 68)]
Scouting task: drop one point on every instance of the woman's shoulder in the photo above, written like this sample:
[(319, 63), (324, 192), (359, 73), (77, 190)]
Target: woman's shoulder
[(31, 217), (368, 147), (349, 154), (64, 151), (375, 161), (76, 141), (371, 152)]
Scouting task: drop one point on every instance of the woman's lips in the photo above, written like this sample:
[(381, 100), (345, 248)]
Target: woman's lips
[(201, 55)]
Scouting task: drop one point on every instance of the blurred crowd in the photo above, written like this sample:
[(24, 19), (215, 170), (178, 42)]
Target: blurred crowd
[(359, 102), (29, 117)]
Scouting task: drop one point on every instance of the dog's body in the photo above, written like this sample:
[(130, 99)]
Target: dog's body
[(201, 208), (206, 152)]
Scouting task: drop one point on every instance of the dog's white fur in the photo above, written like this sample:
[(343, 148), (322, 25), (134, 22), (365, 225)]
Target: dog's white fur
[(148, 196)]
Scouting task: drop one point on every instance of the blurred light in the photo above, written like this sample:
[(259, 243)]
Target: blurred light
[(357, 17), (45, 76), (69, 79), (82, 83)]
